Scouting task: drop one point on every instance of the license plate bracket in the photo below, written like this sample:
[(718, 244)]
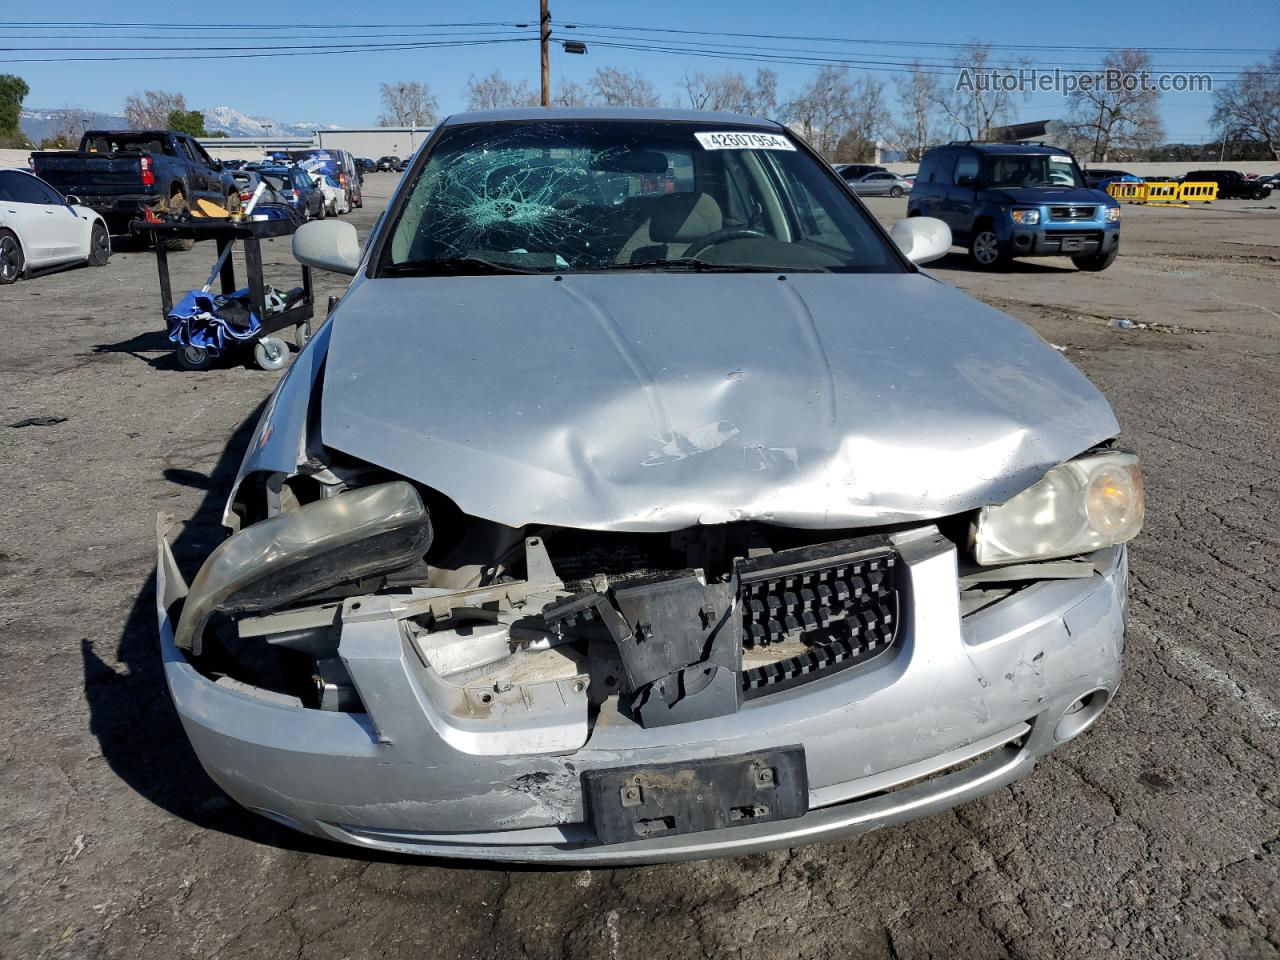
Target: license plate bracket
[(660, 800), (1072, 244)]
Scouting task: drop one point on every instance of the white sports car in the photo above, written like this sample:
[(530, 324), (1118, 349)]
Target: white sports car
[(40, 228), (335, 196)]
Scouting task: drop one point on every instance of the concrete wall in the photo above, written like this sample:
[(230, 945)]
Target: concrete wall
[(375, 142)]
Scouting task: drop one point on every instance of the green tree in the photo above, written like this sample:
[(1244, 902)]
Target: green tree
[(13, 90), (190, 122)]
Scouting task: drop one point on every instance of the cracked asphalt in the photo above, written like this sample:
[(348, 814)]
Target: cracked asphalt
[(1157, 834)]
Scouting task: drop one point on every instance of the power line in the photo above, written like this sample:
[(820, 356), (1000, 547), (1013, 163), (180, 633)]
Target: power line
[(943, 65), (264, 55), (918, 43)]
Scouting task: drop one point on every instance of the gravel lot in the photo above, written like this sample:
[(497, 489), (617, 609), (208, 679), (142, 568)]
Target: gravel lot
[(1156, 835)]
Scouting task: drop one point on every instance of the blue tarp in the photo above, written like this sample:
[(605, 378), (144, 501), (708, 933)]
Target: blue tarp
[(213, 321)]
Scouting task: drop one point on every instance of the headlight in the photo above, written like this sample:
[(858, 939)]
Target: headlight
[(1113, 214), (1025, 217), (1077, 507), (319, 545)]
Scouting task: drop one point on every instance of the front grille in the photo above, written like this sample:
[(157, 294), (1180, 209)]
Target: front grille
[(838, 599), (1072, 213)]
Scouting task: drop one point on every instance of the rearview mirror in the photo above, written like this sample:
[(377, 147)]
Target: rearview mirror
[(328, 245), (921, 239)]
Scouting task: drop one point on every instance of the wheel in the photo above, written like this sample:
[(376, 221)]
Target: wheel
[(272, 353), (99, 246), (320, 212), (177, 208), (302, 334), (333, 209), (1259, 194), (12, 263), (895, 192), (985, 250), (1097, 261), (194, 358)]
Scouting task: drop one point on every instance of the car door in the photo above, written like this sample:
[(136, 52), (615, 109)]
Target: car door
[(960, 195), (880, 183), (211, 172), (47, 230), (197, 172), (68, 230)]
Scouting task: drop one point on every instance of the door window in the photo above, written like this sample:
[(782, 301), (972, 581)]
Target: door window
[(966, 166), (27, 189)]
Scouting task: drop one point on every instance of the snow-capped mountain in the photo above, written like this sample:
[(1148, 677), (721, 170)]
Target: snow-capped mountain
[(234, 123), (40, 124)]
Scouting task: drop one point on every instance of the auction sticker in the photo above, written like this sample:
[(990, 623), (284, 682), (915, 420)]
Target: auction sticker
[(743, 140)]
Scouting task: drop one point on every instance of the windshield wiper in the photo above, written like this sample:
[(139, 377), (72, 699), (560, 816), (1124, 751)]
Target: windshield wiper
[(453, 266), (695, 265)]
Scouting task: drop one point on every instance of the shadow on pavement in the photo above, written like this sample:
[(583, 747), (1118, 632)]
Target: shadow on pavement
[(961, 262)]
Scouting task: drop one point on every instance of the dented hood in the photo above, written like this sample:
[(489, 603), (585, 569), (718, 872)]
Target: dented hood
[(643, 401)]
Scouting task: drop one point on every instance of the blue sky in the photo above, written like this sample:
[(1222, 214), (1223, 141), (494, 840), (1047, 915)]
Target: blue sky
[(343, 89)]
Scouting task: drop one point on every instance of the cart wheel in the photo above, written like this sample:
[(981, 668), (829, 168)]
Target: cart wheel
[(272, 353), (302, 334), (194, 358)]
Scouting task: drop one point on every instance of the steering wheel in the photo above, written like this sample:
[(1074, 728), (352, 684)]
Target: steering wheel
[(724, 236)]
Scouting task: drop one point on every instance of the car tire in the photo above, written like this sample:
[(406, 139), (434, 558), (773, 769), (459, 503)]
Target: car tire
[(12, 261), (1260, 194), (1094, 262), (99, 245), (895, 192), (320, 212), (986, 251), (177, 207)]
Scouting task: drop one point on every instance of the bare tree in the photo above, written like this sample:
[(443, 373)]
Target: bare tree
[(151, 109), (569, 94), (622, 88), (1250, 107), (732, 92), (838, 114), (1119, 113), (407, 103), (917, 127), (975, 105), (494, 92)]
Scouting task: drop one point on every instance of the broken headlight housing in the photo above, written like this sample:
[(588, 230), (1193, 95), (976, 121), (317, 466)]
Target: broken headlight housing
[(1079, 506), (356, 534)]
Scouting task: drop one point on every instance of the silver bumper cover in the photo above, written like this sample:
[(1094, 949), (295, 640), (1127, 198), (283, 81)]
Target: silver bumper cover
[(959, 707)]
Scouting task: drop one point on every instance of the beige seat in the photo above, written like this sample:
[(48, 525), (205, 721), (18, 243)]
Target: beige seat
[(675, 221)]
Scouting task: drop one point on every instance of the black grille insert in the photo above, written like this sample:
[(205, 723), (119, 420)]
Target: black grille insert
[(840, 599)]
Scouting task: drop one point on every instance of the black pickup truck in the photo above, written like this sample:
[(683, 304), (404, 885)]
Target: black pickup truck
[(123, 173)]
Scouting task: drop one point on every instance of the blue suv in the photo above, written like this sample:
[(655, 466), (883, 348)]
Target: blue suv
[(1007, 200)]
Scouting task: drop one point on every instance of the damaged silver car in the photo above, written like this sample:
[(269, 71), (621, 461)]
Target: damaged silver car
[(641, 500)]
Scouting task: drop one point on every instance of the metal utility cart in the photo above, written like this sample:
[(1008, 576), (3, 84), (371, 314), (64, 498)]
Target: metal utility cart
[(270, 351)]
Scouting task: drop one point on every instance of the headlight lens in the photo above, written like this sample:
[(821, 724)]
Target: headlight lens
[(1113, 214), (1025, 217), (1079, 506), (316, 546)]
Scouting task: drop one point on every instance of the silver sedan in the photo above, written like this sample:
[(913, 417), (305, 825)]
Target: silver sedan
[(880, 183)]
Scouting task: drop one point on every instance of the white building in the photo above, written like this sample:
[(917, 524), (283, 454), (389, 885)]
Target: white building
[(371, 142)]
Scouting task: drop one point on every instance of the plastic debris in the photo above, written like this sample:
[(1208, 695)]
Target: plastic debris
[(37, 422)]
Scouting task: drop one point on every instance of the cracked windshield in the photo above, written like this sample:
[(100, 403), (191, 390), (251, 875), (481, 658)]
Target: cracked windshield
[(591, 196)]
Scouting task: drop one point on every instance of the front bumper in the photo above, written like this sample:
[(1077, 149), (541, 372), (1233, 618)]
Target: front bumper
[(1063, 239), (956, 709)]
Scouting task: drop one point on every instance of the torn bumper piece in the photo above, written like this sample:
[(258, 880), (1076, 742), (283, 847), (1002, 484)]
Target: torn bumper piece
[(955, 708)]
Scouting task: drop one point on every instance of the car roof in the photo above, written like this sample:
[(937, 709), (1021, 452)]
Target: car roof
[(606, 113), (1009, 148)]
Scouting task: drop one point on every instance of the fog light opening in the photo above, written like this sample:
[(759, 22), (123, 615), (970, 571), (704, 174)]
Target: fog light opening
[(1079, 716)]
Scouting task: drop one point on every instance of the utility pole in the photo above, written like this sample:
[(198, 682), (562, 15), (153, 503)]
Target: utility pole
[(545, 37)]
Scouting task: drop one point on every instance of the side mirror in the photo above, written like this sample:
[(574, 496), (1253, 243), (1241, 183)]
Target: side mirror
[(921, 239), (73, 200), (328, 245)]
